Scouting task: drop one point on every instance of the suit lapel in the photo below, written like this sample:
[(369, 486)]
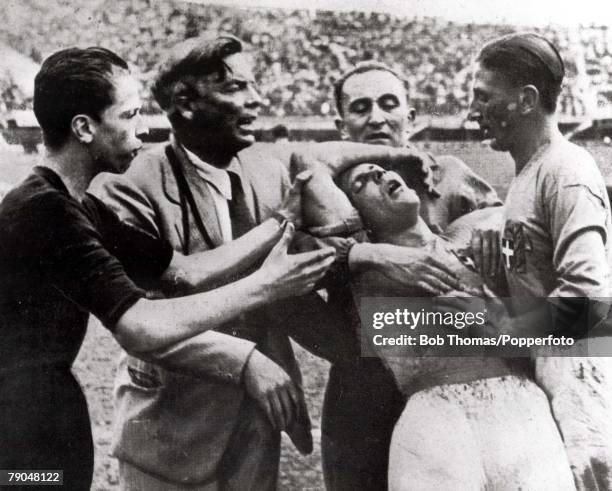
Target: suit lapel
[(202, 197), (250, 192)]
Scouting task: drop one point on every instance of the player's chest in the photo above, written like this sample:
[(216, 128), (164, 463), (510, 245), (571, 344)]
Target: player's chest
[(526, 242)]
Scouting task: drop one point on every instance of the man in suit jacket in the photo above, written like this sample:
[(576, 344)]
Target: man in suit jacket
[(219, 426)]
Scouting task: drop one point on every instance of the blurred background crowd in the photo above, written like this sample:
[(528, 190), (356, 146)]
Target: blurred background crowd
[(299, 53)]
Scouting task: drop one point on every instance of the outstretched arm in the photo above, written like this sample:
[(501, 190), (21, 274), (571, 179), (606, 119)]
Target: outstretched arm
[(154, 324)]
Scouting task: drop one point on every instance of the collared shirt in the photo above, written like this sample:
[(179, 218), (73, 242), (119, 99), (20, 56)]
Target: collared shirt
[(552, 207), (220, 187)]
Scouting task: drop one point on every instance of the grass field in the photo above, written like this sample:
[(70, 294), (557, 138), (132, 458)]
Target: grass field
[(96, 362)]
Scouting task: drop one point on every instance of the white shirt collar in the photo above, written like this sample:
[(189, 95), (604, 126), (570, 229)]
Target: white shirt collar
[(218, 178)]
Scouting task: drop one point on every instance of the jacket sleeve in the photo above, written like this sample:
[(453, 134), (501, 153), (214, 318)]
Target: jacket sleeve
[(136, 199)]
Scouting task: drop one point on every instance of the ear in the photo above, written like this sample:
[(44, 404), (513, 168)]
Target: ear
[(83, 128), (341, 127), (529, 98), (181, 101)]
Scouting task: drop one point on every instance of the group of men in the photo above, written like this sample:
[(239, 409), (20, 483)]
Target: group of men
[(182, 251)]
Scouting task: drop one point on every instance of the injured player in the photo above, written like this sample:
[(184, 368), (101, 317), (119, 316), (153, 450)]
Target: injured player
[(580, 396), (493, 422)]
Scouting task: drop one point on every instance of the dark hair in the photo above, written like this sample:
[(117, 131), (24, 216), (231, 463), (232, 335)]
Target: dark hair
[(193, 57), (70, 82), (527, 58), (362, 67)]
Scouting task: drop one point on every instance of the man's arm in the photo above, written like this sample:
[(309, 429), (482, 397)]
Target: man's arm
[(577, 219), (334, 158), (150, 325), (407, 266), (199, 271)]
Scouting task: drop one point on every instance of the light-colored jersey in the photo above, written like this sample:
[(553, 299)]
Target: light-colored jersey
[(556, 242), (556, 226)]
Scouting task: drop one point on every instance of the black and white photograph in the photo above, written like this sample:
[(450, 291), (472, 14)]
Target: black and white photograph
[(306, 245)]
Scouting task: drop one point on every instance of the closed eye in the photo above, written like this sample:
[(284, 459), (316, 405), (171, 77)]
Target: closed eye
[(234, 86), (388, 102), (360, 106)]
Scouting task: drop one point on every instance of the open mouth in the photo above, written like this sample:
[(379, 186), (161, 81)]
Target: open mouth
[(378, 136), (393, 187), (245, 124)]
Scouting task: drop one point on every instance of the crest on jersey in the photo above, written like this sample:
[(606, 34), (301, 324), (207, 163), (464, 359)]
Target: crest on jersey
[(515, 244)]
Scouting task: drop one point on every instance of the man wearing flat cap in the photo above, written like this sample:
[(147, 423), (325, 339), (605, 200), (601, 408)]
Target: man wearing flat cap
[(222, 431)]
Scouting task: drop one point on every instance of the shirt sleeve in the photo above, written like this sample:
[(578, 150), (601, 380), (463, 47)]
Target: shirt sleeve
[(143, 255), (74, 260), (577, 218)]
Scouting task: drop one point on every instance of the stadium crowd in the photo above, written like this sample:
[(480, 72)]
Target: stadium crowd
[(301, 53)]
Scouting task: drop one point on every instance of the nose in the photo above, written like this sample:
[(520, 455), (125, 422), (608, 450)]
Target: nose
[(254, 100), (141, 128), (377, 116), (474, 112), (376, 175)]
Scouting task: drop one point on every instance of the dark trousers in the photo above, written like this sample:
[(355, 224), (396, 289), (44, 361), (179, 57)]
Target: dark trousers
[(362, 404), (44, 425)]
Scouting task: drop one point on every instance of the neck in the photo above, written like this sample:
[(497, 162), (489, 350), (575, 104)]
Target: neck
[(206, 148), (75, 167), (536, 132), (417, 235)]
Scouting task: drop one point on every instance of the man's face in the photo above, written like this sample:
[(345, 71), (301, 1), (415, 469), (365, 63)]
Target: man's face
[(116, 139), (381, 197), (227, 109), (375, 109), (495, 108)]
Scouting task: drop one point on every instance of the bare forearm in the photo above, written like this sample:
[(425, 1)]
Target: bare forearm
[(336, 157), (209, 269), (366, 257), (156, 324)]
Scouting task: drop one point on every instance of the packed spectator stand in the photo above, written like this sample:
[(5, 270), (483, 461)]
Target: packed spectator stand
[(300, 53)]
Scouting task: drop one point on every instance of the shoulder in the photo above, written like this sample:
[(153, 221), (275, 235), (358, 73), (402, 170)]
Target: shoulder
[(266, 161), (37, 216), (449, 166), (147, 170), (271, 156), (149, 164), (33, 198), (567, 164)]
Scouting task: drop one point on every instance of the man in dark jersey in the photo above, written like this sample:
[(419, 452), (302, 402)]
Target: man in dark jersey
[(64, 255)]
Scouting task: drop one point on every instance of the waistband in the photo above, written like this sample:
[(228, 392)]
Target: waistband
[(468, 370)]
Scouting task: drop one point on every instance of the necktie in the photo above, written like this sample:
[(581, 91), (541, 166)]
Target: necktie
[(240, 214)]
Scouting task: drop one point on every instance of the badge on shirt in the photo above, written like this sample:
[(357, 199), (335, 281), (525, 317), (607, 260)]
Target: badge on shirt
[(515, 244)]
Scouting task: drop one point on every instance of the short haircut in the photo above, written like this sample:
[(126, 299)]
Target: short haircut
[(527, 59), (70, 82), (362, 67), (193, 57)]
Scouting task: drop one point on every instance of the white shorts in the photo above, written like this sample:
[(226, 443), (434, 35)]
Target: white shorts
[(495, 433)]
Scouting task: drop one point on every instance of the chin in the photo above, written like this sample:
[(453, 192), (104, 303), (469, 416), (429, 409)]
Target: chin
[(119, 166), (498, 146), (239, 142)]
